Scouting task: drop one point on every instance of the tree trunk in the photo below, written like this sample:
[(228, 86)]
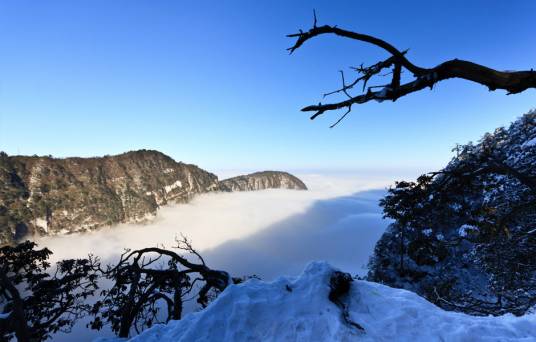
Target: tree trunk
[(17, 319), (177, 304)]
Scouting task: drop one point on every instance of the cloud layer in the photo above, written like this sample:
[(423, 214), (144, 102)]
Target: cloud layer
[(341, 230), (267, 233), (208, 221), (262, 220)]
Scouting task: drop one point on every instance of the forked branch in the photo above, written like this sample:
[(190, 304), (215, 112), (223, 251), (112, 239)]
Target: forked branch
[(512, 81)]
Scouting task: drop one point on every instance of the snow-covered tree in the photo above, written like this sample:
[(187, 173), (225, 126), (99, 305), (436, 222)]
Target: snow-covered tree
[(464, 235)]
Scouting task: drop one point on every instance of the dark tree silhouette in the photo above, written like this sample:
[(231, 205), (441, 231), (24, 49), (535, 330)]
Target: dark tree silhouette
[(491, 190), (34, 303), (512, 81), (144, 278)]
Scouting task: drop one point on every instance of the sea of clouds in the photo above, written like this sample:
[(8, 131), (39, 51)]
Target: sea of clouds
[(268, 233), (265, 233)]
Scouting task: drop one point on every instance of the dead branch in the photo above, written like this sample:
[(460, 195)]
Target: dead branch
[(512, 81), (139, 284)]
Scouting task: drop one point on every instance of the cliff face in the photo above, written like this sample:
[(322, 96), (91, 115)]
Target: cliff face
[(48, 196), (263, 180)]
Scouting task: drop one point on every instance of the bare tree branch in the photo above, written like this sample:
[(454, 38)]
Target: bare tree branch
[(138, 284), (512, 81)]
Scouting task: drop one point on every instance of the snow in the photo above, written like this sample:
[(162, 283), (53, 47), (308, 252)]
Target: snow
[(173, 186), (531, 142), (465, 229), (261, 311), (42, 223)]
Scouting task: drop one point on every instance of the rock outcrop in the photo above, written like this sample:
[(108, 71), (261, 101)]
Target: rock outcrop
[(292, 309), (263, 180), (49, 196)]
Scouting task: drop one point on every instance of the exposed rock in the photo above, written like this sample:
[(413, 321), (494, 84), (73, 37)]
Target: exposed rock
[(263, 180), (49, 196)]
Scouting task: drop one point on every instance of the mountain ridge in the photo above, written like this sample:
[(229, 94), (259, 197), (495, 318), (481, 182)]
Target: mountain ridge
[(263, 180), (48, 196)]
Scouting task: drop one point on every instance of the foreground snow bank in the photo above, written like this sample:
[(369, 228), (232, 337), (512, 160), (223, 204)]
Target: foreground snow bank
[(298, 309)]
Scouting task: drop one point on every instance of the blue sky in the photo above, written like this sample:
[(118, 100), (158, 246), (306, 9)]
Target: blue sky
[(211, 82)]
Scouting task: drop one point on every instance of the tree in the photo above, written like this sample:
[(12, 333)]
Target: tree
[(512, 81), (481, 207), (36, 303), (145, 278)]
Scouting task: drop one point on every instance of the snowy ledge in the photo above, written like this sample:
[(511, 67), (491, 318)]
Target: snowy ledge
[(298, 309)]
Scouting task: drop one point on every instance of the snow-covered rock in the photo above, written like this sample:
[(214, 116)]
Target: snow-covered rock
[(298, 309)]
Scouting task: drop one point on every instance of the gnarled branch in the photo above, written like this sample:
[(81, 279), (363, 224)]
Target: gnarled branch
[(512, 81)]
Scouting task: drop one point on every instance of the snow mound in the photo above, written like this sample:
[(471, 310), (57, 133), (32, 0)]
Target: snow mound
[(298, 309)]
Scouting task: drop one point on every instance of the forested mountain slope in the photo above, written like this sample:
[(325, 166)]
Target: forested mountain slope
[(465, 237), (47, 196)]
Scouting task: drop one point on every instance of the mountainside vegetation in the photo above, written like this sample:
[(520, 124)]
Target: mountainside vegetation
[(144, 287), (49, 196), (44, 195), (263, 180), (37, 301), (464, 237)]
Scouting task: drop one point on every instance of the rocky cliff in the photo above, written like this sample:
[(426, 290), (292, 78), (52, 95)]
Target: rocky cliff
[(48, 196), (263, 180)]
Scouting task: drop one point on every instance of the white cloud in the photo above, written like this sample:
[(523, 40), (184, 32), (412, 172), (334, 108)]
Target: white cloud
[(268, 233), (327, 220)]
